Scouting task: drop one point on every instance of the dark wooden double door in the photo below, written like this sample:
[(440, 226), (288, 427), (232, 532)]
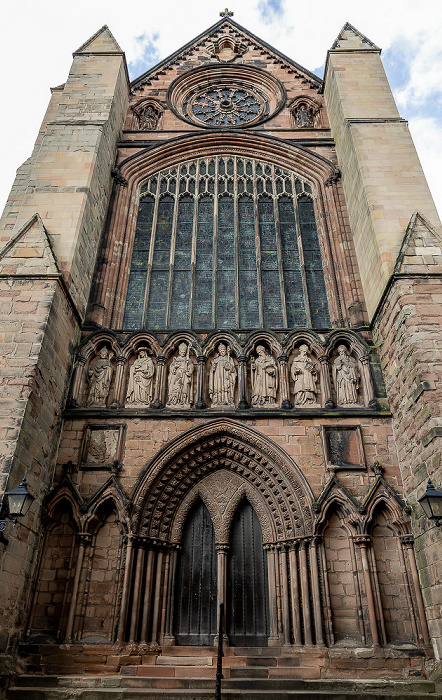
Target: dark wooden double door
[(195, 619)]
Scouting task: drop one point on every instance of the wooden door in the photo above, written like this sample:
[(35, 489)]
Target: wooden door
[(247, 582), (195, 596)]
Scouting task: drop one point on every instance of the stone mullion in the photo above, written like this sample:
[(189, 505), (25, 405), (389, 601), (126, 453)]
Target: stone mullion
[(151, 251), (165, 586), (83, 593), (84, 539), (147, 596), (157, 598), (194, 236), (327, 609), (139, 558), (407, 542), (279, 249), (172, 246), (200, 382), (169, 639), (326, 389), (258, 248), (355, 569), (317, 608), (285, 595), (215, 242), (221, 590), (159, 387), (294, 590), (242, 381), (305, 593), (362, 542), (301, 254), (236, 238), (126, 588), (284, 381)]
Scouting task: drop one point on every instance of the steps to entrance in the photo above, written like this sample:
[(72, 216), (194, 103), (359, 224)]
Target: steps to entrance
[(32, 687)]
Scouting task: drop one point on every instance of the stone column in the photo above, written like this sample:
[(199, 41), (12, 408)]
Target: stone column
[(317, 607), (284, 381), (242, 382), (200, 381), (363, 542), (221, 597), (274, 639), (157, 598), (78, 382), (169, 639), (119, 398), (285, 595), (326, 390), (407, 543), (136, 597), (164, 596), (158, 399), (294, 591), (147, 607), (126, 588), (367, 384), (84, 539), (305, 593)]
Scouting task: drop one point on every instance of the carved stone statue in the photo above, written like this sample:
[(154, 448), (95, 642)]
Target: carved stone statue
[(140, 387), (346, 378), (304, 117), (148, 119), (304, 375), (222, 378), (264, 378), (180, 379), (100, 376)]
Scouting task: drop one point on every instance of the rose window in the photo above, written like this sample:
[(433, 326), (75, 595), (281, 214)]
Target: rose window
[(227, 106)]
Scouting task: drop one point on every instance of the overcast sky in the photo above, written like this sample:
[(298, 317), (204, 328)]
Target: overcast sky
[(39, 36)]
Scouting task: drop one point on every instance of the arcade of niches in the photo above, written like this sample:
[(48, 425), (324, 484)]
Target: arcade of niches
[(226, 432)]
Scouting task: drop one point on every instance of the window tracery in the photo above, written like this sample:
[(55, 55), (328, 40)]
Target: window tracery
[(226, 242)]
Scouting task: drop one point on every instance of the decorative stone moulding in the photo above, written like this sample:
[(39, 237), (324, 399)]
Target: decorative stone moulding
[(147, 115), (226, 96), (226, 49)]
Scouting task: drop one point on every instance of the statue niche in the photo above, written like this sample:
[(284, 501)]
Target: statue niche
[(264, 372), (99, 378), (140, 386), (180, 380), (222, 378), (304, 374)]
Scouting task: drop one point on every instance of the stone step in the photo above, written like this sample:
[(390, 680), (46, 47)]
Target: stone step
[(144, 688)]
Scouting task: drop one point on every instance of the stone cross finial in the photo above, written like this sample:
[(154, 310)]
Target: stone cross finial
[(226, 13)]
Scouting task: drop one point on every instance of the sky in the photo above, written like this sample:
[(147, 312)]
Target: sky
[(39, 37)]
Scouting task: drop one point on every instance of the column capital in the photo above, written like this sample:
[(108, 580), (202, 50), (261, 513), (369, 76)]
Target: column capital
[(161, 360), (361, 540), (222, 547)]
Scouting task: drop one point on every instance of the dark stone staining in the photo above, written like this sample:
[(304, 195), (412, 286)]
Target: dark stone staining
[(294, 292), (203, 299), (226, 301), (140, 255), (271, 287), (179, 309), (248, 272), (159, 283)]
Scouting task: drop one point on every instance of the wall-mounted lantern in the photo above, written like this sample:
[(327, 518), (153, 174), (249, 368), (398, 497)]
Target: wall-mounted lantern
[(19, 501), (431, 503)]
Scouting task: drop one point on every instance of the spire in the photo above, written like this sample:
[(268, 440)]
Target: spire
[(350, 39), (102, 41)]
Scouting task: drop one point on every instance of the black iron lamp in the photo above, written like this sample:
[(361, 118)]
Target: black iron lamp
[(19, 501), (431, 503)]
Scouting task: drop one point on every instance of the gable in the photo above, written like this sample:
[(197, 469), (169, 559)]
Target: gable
[(421, 250), (226, 42), (29, 252)]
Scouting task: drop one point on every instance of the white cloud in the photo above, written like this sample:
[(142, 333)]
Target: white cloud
[(40, 35)]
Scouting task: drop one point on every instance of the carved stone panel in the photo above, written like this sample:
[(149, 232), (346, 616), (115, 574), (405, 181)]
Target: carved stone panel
[(343, 448), (102, 446)]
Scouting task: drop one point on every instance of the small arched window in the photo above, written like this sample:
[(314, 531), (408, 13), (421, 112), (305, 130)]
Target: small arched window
[(226, 242)]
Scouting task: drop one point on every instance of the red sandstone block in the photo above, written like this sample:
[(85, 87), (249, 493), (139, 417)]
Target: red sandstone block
[(194, 672), (300, 672), (156, 671)]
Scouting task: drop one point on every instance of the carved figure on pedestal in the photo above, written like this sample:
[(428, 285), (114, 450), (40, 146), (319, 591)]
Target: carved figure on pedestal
[(140, 387), (304, 117), (304, 375), (149, 119), (264, 378), (222, 378), (346, 378), (180, 379), (100, 376)]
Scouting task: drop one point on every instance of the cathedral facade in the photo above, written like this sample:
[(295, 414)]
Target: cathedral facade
[(221, 368)]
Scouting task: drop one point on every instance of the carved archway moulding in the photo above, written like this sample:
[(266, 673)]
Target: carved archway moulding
[(263, 472)]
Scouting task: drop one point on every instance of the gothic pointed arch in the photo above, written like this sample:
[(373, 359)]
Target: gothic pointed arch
[(227, 445)]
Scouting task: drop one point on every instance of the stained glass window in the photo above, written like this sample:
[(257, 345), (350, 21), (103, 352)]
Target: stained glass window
[(226, 242)]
